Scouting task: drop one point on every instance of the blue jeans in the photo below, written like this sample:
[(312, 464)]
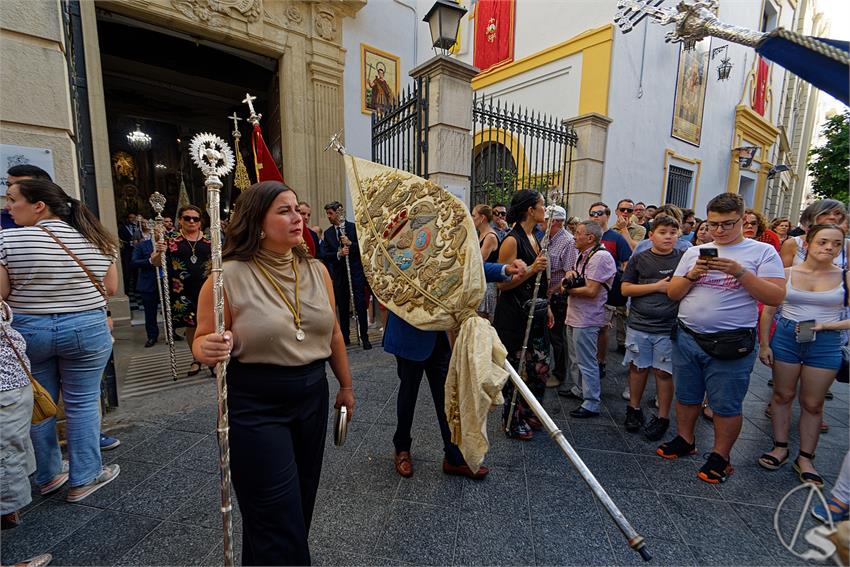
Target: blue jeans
[(585, 356), (696, 374), (68, 351)]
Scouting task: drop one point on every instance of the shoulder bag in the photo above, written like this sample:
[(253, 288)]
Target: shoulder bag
[(96, 282)]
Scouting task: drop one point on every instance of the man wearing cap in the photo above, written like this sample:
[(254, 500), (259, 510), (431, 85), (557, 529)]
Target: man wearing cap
[(562, 258)]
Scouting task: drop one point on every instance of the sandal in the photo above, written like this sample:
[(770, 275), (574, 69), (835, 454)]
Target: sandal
[(807, 477), (824, 427), (771, 463), (707, 415), (715, 470), (768, 411), (194, 368)]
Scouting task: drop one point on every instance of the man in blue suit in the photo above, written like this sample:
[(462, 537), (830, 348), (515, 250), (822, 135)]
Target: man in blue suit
[(146, 284), (339, 242), (420, 352)]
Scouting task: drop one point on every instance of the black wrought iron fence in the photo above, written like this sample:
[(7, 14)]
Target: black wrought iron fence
[(514, 148), (400, 131)]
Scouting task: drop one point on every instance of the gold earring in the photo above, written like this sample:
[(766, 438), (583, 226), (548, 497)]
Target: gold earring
[(262, 234)]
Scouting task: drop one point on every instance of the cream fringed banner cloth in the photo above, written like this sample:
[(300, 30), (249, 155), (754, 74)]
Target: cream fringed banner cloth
[(421, 257)]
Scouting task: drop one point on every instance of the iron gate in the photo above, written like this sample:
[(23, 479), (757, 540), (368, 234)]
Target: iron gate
[(400, 132), (517, 149)]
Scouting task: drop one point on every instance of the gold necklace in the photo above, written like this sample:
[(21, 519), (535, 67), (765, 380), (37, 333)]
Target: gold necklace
[(193, 258), (296, 311)]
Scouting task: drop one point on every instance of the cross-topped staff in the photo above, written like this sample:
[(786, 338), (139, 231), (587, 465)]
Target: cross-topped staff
[(157, 202), (253, 118), (240, 175)]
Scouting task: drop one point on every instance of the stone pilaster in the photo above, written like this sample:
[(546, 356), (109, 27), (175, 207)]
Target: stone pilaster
[(588, 161), (449, 121)]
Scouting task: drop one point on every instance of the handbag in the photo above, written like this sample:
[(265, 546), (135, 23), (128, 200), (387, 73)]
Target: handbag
[(725, 345), (43, 406), (96, 282)]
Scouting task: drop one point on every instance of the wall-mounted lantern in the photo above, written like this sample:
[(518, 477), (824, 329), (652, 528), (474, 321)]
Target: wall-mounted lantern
[(725, 67)]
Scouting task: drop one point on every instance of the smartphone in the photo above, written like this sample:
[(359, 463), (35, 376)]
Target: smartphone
[(708, 252), (805, 334)]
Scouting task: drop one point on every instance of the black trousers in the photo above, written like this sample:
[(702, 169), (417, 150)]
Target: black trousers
[(278, 421), (558, 339), (343, 303), (435, 367), (150, 303)]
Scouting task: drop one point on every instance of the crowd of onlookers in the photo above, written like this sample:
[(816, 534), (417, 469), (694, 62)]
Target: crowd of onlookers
[(692, 301), (696, 301)]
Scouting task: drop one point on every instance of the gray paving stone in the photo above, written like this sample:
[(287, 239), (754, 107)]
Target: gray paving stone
[(203, 420), (204, 508), (732, 555), (706, 522), (615, 470), (589, 435), (331, 557), (202, 456), (349, 522), (103, 540), (130, 436), (664, 552), (42, 528), (429, 485), (751, 484), (164, 447), (645, 512), (133, 473), (675, 476), (542, 454), (418, 533), (163, 492), (216, 556), (365, 474), (173, 544)]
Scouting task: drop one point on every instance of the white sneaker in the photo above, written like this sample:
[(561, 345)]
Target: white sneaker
[(107, 475), (627, 394)]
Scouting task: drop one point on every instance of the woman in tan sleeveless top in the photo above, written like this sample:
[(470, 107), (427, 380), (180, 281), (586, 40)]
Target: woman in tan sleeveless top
[(280, 331)]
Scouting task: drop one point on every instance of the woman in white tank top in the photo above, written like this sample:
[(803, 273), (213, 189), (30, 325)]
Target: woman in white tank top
[(806, 347)]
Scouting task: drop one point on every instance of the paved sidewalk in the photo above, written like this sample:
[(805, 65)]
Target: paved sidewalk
[(532, 509)]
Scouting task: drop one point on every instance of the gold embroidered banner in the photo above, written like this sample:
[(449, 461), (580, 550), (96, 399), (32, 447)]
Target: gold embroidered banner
[(420, 254)]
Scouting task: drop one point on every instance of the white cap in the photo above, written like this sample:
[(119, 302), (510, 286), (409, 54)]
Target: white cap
[(557, 212)]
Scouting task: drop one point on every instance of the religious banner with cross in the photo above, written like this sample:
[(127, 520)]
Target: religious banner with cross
[(264, 165), (494, 33)]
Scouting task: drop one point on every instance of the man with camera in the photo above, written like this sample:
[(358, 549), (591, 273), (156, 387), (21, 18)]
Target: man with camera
[(562, 257), (587, 287), (719, 286)]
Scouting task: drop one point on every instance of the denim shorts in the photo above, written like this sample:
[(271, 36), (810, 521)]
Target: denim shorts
[(823, 352), (696, 374), (649, 350)]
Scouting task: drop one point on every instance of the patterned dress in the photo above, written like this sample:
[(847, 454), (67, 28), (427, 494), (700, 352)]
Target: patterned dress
[(186, 276)]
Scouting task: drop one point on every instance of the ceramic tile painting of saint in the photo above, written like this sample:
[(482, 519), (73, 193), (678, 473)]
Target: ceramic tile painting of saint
[(690, 92), (380, 72)]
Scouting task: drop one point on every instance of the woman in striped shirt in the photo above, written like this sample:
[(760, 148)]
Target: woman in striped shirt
[(59, 300)]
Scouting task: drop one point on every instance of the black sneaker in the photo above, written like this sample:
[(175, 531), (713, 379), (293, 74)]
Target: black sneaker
[(634, 419), (676, 448), (715, 470), (656, 428)]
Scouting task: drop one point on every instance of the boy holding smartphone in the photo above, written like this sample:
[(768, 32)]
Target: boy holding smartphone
[(714, 346), (652, 318)]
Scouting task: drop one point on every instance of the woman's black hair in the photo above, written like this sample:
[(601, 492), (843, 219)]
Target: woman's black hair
[(523, 200)]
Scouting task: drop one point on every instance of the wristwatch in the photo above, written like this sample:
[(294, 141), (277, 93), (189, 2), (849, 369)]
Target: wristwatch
[(739, 274), (691, 279)]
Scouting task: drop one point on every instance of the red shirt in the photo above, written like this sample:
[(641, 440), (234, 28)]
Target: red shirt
[(770, 237)]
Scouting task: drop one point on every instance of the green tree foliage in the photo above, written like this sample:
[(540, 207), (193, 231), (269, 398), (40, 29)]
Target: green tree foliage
[(830, 163)]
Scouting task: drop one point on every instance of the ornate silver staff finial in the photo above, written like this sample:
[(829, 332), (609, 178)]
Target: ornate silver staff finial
[(211, 154), (157, 201), (236, 133), (335, 144), (253, 118)]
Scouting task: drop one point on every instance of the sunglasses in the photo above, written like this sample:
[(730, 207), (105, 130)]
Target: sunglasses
[(625, 210), (499, 213), (191, 219), (594, 214)]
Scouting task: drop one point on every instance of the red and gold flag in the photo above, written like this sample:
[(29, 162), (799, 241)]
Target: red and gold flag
[(760, 90), (264, 164), (494, 33)]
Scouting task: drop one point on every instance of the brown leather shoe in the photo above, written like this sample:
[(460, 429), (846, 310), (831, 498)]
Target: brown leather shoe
[(404, 464), (464, 470)]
